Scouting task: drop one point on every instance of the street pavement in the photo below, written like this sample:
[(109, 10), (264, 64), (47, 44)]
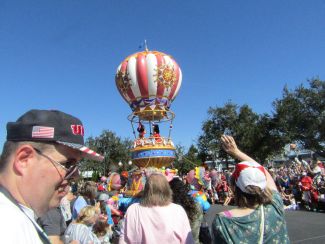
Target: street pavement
[(303, 226)]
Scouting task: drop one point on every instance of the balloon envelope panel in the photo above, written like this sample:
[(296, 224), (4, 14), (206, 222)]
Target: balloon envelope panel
[(148, 78)]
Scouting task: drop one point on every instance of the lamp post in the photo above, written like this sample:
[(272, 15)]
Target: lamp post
[(213, 157), (105, 161), (124, 166)]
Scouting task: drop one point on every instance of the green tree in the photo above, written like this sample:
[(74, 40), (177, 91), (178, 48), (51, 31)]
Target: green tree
[(112, 147), (179, 162), (192, 158), (186, 161), (220, 120), (255, 134), (300, 115)]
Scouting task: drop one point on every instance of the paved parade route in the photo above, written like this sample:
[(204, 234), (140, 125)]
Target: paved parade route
[(303, 226)]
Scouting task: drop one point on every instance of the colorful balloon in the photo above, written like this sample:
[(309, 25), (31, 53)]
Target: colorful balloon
[(149, 81)]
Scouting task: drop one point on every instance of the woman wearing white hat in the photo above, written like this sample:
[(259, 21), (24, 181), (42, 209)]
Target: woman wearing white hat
[(259, 217)]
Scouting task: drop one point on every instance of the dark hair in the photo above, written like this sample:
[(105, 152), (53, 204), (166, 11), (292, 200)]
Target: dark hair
[(89, 190), (315, 156), (100, 228), (140, 127), (181, 197), (102, 206), (156, 191), (156, 129), (8, 148), (255, 196)]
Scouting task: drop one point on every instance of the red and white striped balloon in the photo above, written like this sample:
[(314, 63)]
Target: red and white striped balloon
[(148, 78)]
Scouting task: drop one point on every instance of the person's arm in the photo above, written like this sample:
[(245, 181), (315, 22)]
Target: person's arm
[(307, 167), (270, 182), (55, 240), (229, 145), (52, 223)]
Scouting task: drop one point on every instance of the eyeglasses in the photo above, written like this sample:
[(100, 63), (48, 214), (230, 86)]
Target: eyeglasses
[(70, 167)]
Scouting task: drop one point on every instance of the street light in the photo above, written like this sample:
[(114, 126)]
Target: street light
[(212, 156)]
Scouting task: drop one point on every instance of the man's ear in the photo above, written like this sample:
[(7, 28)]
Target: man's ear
[(23, 156)]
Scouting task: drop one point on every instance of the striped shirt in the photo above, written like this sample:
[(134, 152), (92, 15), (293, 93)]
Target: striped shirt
[(81, 233)]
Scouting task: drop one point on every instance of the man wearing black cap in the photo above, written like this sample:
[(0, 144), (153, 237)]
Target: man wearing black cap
[(38, 158)]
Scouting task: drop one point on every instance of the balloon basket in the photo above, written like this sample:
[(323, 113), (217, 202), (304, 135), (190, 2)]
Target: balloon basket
[(153, 152), (151, 113)]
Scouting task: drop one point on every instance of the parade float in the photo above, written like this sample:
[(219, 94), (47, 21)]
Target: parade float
[(149, 81)]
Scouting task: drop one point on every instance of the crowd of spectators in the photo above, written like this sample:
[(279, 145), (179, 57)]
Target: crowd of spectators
[(300, 182), (90, 213)]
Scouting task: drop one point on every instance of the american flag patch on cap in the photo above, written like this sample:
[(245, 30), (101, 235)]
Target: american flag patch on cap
[(42, 132)]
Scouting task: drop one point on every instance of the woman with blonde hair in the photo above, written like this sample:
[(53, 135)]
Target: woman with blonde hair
[(81, 229), (259, 217), (156, 219)]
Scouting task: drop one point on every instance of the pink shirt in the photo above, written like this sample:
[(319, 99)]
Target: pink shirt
[(167, 224)]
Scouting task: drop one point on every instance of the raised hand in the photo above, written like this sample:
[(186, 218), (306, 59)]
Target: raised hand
[(228, 144)]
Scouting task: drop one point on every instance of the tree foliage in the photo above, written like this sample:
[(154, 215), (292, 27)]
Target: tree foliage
[(186, 161), (255, 134), (112, 147), (300, 115)]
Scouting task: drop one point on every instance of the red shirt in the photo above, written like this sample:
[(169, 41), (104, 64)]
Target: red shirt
[(223, 186), (306, 183)]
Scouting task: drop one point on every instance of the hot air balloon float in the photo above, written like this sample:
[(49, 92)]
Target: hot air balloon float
[(149, 81)]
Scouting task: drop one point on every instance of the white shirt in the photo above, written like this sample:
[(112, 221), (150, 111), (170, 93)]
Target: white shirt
[(316, 170), (15, 226), (66, 209)]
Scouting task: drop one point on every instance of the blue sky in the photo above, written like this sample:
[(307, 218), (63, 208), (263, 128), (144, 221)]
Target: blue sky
[(63, 54)]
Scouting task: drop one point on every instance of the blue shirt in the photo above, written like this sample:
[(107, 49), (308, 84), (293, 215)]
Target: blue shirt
[(77, 206)]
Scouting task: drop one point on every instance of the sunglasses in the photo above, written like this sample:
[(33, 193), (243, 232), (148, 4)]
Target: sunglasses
[(70, 167)]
